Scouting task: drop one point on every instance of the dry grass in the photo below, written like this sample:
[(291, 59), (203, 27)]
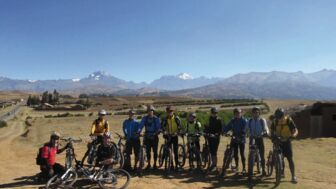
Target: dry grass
[(315, 159)]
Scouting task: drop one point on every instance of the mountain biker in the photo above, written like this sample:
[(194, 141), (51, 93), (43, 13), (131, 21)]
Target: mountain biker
[(284, 127), (130, 129), (106, 151), (171, 124), (257, 127), (98, 128), (214, 128), (193, 127), (49, 167), (152, 129), (238, 126), (100, 125)]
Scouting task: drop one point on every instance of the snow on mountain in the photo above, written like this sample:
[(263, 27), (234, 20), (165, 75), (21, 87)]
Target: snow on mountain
[(185, 76)]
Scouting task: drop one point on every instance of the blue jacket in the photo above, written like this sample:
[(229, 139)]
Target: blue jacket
[(239, 128), (130, 128), (152, 126)]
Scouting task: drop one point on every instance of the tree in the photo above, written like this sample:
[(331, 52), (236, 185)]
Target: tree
[(29, 100), (50, 98), (45, 97), (55, 97), (83, 95)]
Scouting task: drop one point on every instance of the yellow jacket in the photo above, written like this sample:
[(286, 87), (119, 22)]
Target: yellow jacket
[(100, 126), (172, 124)]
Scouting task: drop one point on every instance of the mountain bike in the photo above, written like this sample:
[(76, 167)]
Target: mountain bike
[(105, 176), (229, 155), (70, 154), (275, 160), (194, 154), (182, 155), (166, 153), (120, 149), (253, 158)]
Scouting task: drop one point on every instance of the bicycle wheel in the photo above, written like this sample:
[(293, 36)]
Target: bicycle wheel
[(258, 161), (114, 179), (270, 163), (91, 158), (142, 159), (191, 158), (168, 160), (251, 162), (161, 156), (278, 168), (118, 156), (226, 160), (54, 182), (181, 155), (206, 158), (69, 178)]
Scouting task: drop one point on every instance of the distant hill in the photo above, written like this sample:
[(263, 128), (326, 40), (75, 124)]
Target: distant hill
[(283, 85), (182, 81)]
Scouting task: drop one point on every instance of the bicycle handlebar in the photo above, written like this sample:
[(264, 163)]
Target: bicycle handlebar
[(72, 140)]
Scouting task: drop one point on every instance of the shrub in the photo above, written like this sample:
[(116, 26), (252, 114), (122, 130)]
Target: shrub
[(3, 124)]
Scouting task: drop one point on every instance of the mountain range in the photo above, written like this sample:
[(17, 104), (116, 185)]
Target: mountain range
[(276, 84)]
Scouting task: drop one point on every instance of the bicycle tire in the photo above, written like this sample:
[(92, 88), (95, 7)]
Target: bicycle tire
[(226, 160), (251, 162), (161, 156), (113, 179), (270, 163), (278, 168), (181, 155)]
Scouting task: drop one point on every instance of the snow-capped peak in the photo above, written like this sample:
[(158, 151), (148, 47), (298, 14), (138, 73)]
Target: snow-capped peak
[(98, 74), (32, 81), (76, 80), (184, 76)]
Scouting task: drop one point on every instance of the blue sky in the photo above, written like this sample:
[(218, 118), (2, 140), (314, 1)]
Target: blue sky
[(143, 40)]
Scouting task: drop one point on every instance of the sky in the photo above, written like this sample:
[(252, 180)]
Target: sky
[(141, 40)]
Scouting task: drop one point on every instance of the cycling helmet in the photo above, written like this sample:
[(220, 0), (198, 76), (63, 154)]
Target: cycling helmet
[(256, 108), (170, 108), (107, 135), (150, 108), (237, 110), (131, 111), (214, 110), (193, 115), (55, 135), (102, 113), (279, 113)]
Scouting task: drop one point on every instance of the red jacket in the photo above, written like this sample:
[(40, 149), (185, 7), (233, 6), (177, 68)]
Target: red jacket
[(50, 155)]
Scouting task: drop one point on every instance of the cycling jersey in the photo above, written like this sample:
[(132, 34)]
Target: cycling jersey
[(152, 125), (100, 126), (130, 128), (193, 128), (49, 153)]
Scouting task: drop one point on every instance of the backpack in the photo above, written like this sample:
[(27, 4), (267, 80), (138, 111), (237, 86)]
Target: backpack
[(39, 159)]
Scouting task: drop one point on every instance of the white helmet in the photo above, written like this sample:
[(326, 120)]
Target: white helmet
[(102, 113)]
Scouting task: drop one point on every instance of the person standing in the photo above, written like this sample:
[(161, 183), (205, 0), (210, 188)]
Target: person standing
[(257, 129), (130, 129), (152, 126), (171, 124), (215, 129), (284, 127), (238, 126)]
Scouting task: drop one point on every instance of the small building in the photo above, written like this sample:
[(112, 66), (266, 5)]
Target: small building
[(318, 120)]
